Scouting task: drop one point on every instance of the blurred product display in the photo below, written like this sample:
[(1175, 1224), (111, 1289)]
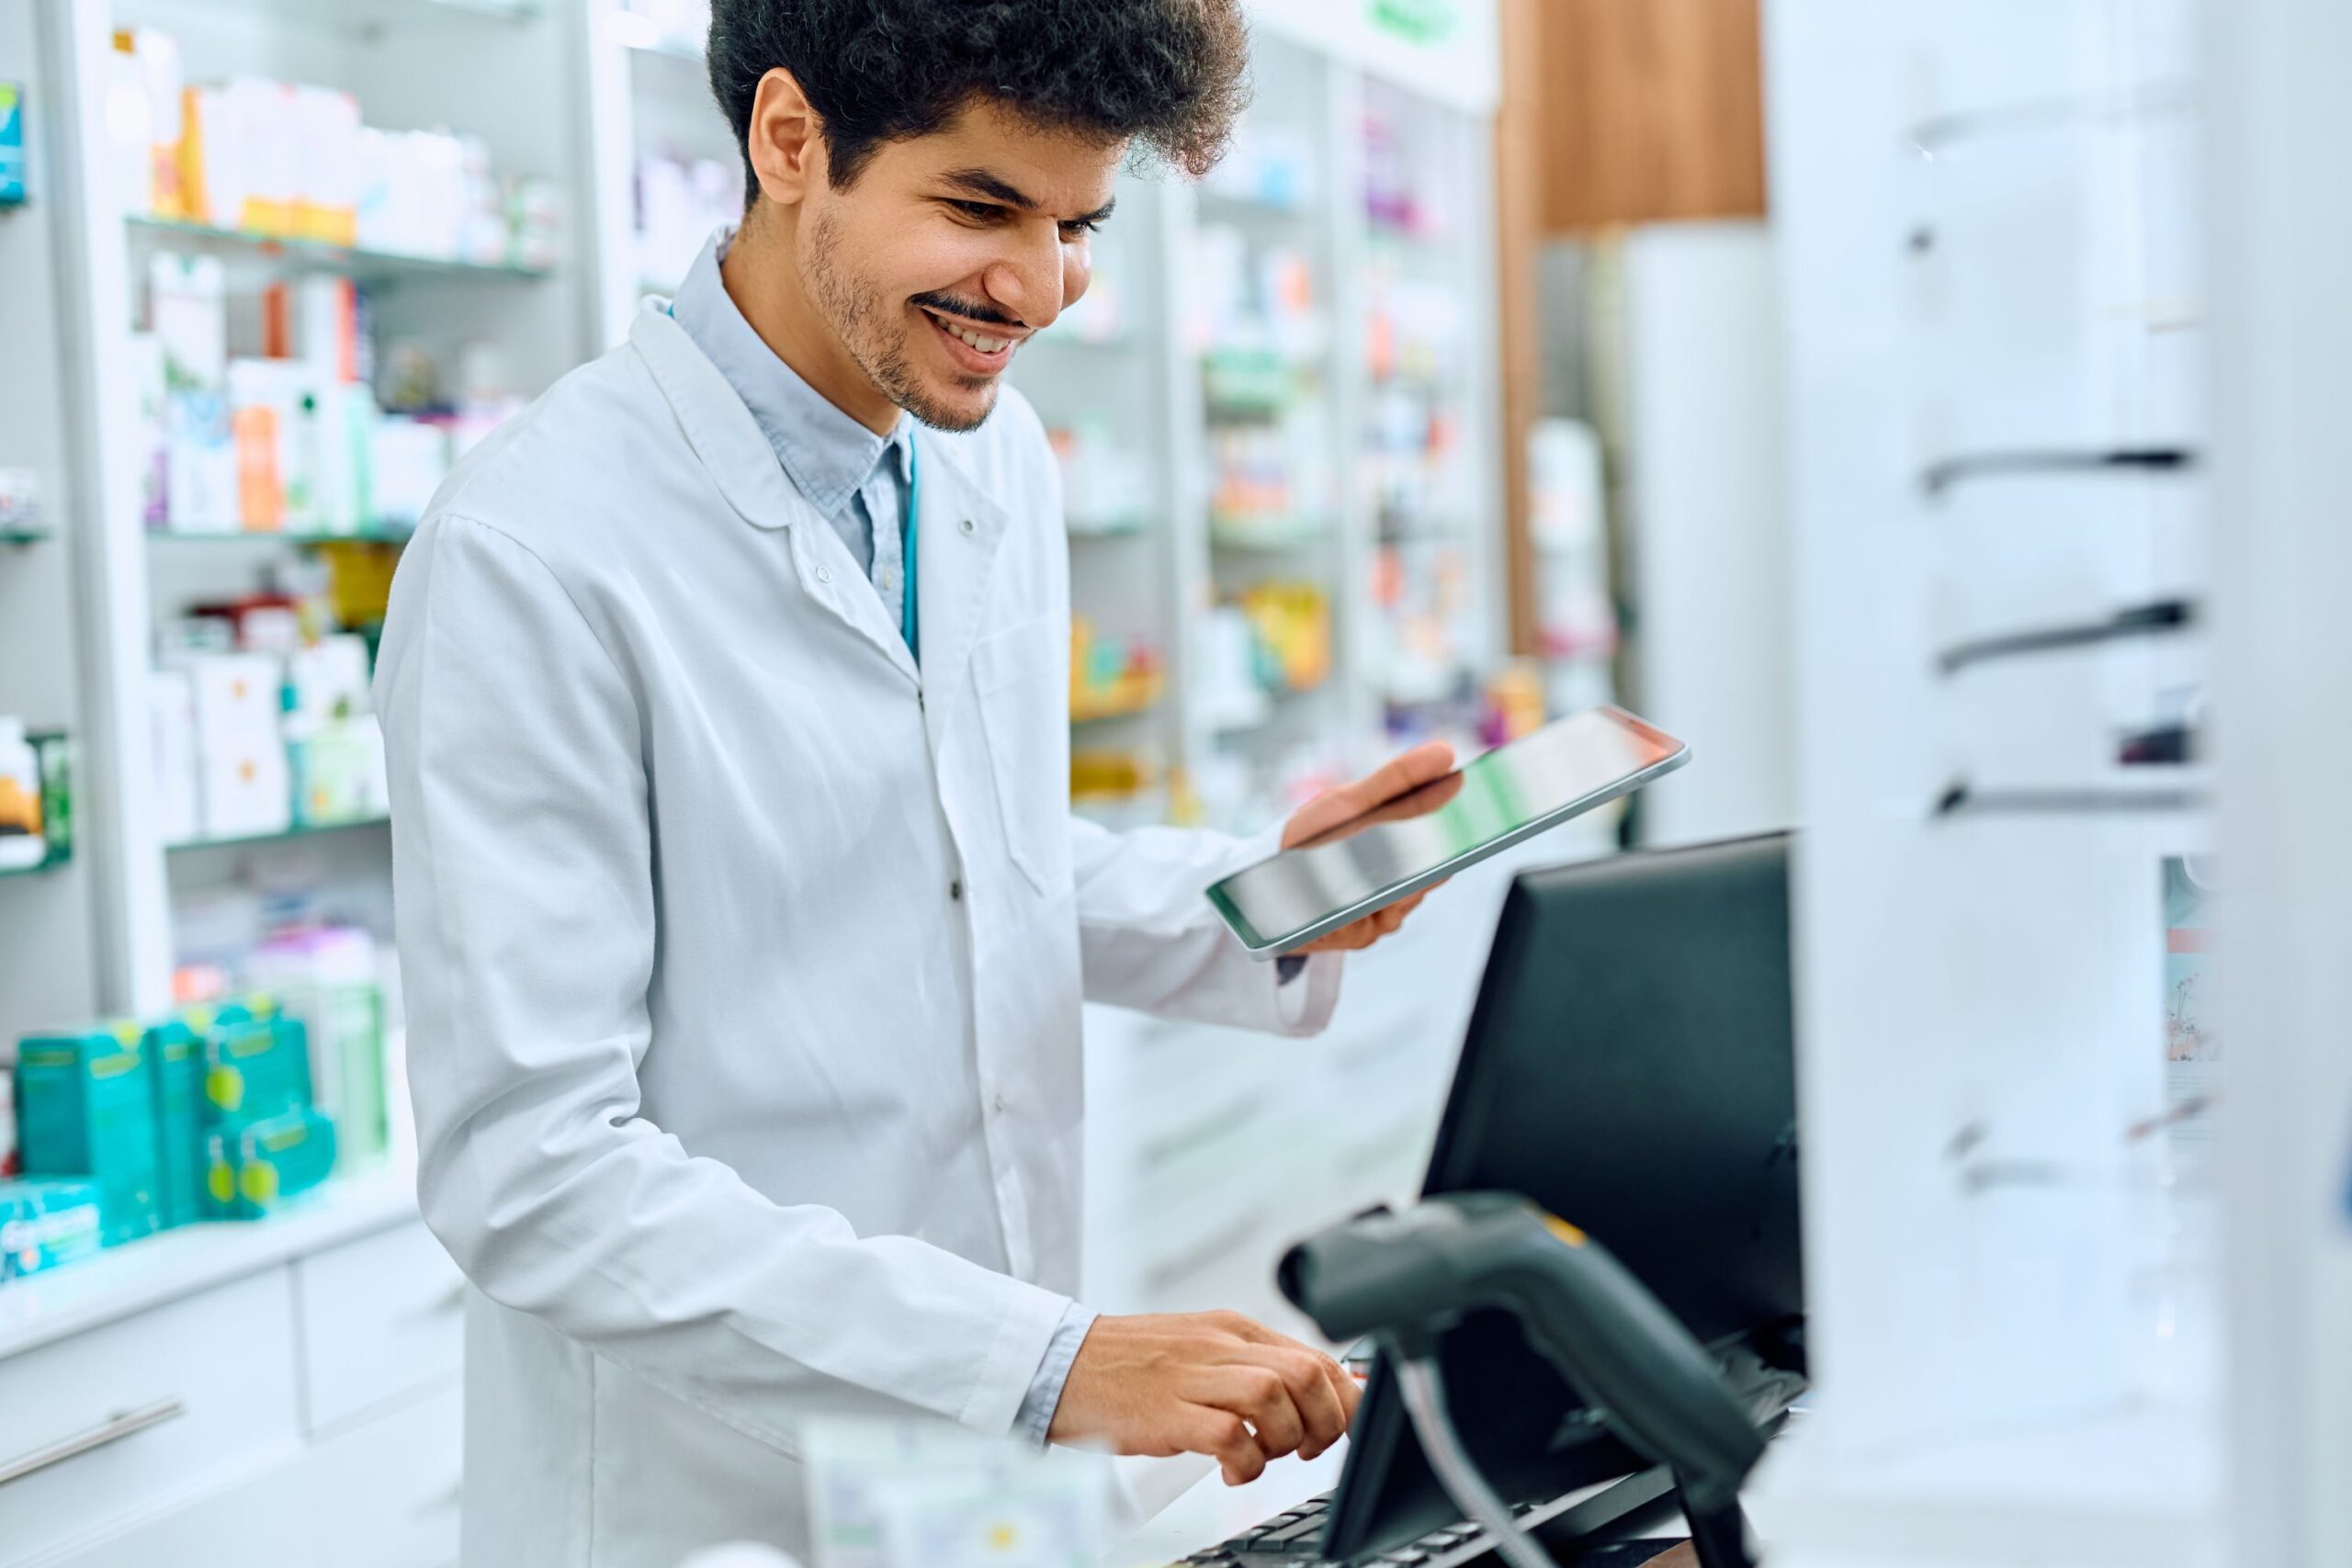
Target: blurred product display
[(284, 160), (35, 798)]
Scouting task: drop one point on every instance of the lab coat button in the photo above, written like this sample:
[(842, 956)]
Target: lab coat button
[(967, 525), (956, 891), (824, 574)]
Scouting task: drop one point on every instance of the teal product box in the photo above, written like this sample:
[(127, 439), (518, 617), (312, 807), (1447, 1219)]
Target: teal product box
[(255, 1166), (44, 1224), (256, 1063), (176, 1068), (85, 1108), (12, 144)]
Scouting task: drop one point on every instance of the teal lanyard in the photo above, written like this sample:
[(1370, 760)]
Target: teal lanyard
[(909, 535)]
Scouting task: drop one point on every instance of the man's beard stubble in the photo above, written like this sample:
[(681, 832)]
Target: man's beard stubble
[(851, 311)]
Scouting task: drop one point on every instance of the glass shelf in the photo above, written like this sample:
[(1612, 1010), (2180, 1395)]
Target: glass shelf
[(284, 535), (310, 830), (25, 533), (373, 265), (56, 862)]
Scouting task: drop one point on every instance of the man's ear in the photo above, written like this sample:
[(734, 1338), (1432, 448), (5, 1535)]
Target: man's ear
[(785, 142)]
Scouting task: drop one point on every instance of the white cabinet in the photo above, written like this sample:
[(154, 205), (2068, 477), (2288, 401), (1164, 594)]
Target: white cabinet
[(384, 1495), (283, 1392), (381, 1318), (214, 1369)]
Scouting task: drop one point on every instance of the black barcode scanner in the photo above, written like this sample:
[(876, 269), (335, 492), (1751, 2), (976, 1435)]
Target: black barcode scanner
[(1407, 1277)]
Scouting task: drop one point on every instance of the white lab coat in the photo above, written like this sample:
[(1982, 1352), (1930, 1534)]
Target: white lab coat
[(744, 964)]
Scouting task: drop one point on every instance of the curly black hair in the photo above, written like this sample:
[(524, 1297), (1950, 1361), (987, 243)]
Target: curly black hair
[(1169, 74)]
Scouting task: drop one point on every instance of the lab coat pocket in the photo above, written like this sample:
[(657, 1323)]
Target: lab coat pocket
[(1023, 680)]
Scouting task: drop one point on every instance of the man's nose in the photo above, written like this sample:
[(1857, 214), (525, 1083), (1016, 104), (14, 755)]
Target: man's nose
[(1026, 280)]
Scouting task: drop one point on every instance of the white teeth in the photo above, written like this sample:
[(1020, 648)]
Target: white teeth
[(985, 345)]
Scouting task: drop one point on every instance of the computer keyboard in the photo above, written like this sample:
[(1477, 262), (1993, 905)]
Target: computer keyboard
[(1288, 1540)]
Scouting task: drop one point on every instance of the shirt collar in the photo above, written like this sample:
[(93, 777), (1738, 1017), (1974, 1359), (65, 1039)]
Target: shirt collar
[(826, 454)]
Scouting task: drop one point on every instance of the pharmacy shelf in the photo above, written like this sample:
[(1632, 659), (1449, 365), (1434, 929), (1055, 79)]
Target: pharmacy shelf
[(122, 1281), (310, 830), (280, 536), (363, 16), (27, 536), (1113, 712), (368, 266)]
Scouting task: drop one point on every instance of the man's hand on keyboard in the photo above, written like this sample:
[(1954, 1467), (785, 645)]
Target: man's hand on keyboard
[(1210, 1382)]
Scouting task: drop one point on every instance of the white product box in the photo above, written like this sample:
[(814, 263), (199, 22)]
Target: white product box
[(238, 700), (244, 785), (171, 726), (328, 679), (199, 463), (411, 459), (187, 307)]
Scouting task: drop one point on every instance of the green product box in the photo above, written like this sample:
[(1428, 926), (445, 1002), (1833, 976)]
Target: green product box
[(85, 1108), (175, 1065), (255, 1166), (345, 1023), (256, 1063), (54, 751), (44, 1224)]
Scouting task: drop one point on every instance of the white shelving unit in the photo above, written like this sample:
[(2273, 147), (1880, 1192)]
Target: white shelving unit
[(1992, 227)]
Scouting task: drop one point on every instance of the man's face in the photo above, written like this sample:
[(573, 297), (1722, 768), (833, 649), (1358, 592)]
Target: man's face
[(949, 250)]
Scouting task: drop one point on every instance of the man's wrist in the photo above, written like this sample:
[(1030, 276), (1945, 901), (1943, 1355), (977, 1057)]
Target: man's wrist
[(1034, 1420)]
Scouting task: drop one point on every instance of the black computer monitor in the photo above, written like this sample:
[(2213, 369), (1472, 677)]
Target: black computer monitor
[(1630, 1068)]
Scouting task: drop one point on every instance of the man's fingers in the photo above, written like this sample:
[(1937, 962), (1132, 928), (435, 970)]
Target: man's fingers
[(1344, 1388), (1256, 1392), (1223, 1436), (1401, 774), (1305, 1373)]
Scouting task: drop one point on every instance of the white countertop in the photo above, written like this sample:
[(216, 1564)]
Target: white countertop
[(129, 1279)]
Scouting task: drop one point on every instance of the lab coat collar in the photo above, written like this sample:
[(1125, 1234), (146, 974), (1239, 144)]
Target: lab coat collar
[(962, 525), (717, 424)]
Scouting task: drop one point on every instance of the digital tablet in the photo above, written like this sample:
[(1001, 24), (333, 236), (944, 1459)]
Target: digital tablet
[(1514, 792)]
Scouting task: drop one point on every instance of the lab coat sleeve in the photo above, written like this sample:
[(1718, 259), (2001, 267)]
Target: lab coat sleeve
[(522, 870), (1149, 940)]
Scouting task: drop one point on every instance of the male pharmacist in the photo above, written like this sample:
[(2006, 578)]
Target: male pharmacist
[(744, 920)]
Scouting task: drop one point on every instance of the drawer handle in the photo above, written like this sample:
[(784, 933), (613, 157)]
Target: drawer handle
[(111, 1430)]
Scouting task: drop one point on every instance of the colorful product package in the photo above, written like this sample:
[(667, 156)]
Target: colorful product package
[(12, 144), (257, 1064), (255, 1164), (175, 1065), (327, 979), (85, 1108), (44, 1224)]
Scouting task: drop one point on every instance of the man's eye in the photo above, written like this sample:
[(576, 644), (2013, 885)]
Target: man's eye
[(1074, 228), (978, 211)]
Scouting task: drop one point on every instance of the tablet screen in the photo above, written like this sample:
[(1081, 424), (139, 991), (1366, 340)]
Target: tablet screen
[(1567, 767)]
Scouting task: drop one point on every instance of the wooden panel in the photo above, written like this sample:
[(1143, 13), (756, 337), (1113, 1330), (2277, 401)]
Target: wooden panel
[(1519, 221), (1653, 110)]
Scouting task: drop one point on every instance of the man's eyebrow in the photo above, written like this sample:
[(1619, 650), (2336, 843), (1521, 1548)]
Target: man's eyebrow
[(981, 183)]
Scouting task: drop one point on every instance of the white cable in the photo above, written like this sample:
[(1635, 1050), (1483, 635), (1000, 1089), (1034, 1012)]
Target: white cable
[(1424, 1392)]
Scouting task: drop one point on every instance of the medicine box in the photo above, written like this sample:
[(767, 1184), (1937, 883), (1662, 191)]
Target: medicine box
[(175, 1065), (255, 1164), (85, 1108), (12, 144), (46, 1223), (254, 1066)]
